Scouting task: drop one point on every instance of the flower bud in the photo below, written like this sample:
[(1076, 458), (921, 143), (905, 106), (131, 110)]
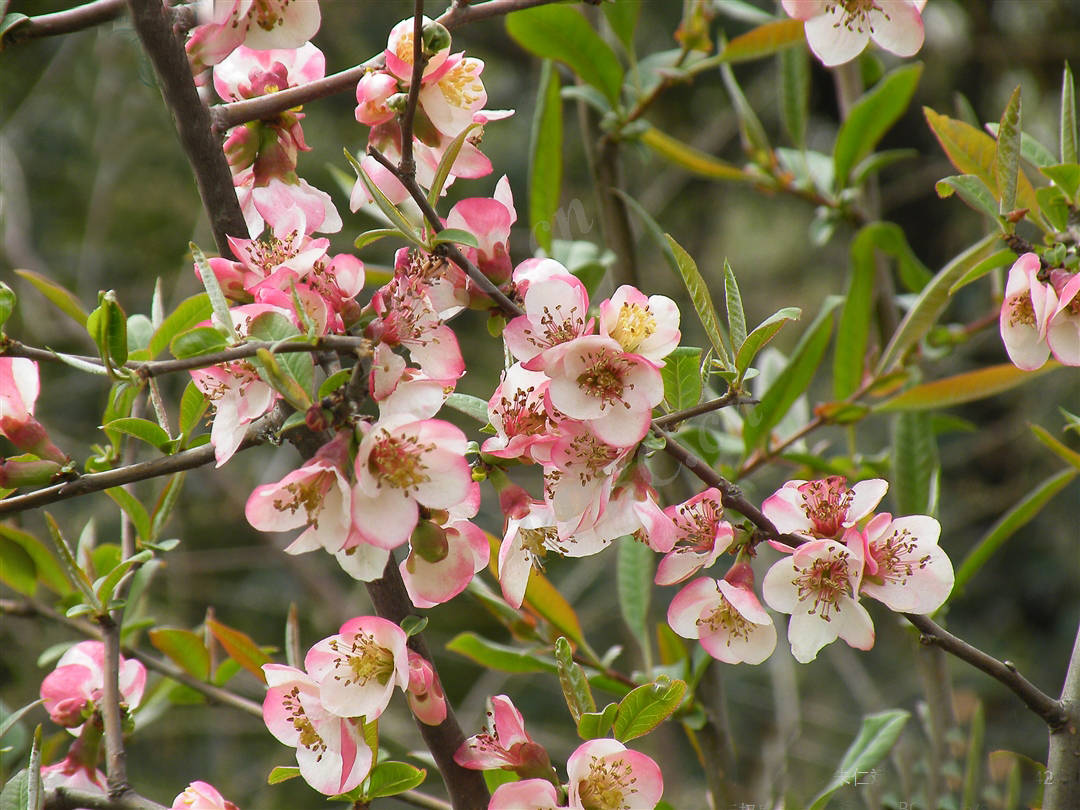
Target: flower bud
[(741, 575), (429, 542), (434, 37), (15, 474)]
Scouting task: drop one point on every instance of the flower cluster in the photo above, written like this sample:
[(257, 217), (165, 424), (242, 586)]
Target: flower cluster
[(346, 683), (1040, 318), (578, 401), (848, 551), (603, 774), (450, 100)]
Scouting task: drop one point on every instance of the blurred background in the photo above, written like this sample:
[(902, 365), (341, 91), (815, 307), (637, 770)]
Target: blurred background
[(97, 195)]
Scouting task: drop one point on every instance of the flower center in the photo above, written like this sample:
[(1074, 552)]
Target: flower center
[(309, 737), (857, 14), (603, 378), (606, 785), (307, 494), (826, 504), (362, 659), (556, 327), (726, 618), (826, 580), (270, 13), (1021, 310), (895, 559), (697, 524), (396, 460), (633, 326), (521, 416), (461, 85)]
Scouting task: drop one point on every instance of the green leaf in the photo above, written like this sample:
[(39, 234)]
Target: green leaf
[(196, 341), (876, 737), (849, 359), (974, 756), (166, 501), (473, 407), (795, 93), (575, 686), (1069, 151), (334, 382), (282, 773), (193, 405), (992, 262), (932, 302), (411, 625), (792, 381), (692, 159), (562, 33), (877, 161), (1066, 176), (218, 304), (142, 429), (240, 648), (960, 388), (545, 153), (390, 211), (594, 725), (133, 508), (374, 235), (736, 318), (454, 236), (106, 585), (765, 40), (971, 190), (391, 778), (682, 378), (703, 304), (754, 140), (1007, 154), (1066, 454), (762, 334), (65, 301), (634, 570), (17, 569), (1009, 524), (184, 648), (1031, 150), (14, 794), (646, 707), (871, 117), (76, 575), (446, 163), (14, 717), (188, 314), (915, 464), (492, 655), (622, 16), (48, 570)]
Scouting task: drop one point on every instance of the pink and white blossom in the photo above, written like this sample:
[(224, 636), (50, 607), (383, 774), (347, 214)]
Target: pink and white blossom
[(1063, 328), (440, 571), (19, 386), (726, 617), (425, 693), (527, 540), (640, 324), (579, 476), (517, 411), (526, 794), (701, 536), (400, 51), (504, 744), (249, 73), (905, 567), (818, 584), (1025, 314), (72, 690), (489, 219), (839, 30), (330, 750), (372, 92), (76, 771), (201, 796), (453, 94), (824, 508), (358, 668), (556, 312), (401, 466), (606, 775), (259, 24)]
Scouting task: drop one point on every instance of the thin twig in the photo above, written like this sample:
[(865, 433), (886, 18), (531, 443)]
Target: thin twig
[(65, 22), (452, 253), (1062, 791), (1050, 710), (63, 798), (731, 397), (115, 756), (460, 14), (257, 433), (408, 164)]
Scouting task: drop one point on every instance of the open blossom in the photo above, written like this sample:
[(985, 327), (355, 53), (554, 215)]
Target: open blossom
[(648, 326), (443, 561), (201, 796), (905, 567), (400, 49), (259, 24), (249, 73), (528, 538), (488, 219), (824, 508), (818, 584), (1063, 330), (71, 691), (526, 794), (76, 771), (838, 30), (606, 775), (505, 744), (523, 426), (701, 536), (358, 668), (726, 617), (579, 477), (425, 694), (317, 496), (1025, 314), (556, 312), (19, 388), (330, 750)]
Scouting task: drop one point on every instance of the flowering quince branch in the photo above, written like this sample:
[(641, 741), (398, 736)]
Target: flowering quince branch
[(407, 167), (65, 22), (63, 798), (732, 397)]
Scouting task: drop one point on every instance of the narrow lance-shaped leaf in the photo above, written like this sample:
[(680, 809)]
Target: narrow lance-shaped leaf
[(973, 191), (1066, 454), (849, 359), (492, 655), (218, 303), (914, 463), (692, 159), (703, 304), (795, 93), (762, 334), (634, 568), (1007, 157), (1069, 150), (876, 737), (240, 648), (187, 315), (545, 157), (735, 316), (960, 388), (754, 140), (682, 378), (575, 686), (453, 149), (623, 19), (63, 299), (1009, 524), (765, 40)]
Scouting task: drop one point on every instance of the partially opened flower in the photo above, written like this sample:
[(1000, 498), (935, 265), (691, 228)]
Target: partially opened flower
[(505, 744), (19, 388), (75, 772), (527, 794), (606, 775), (905, 567), (201, 796), (72, 690), (425, 694), (330, 750), (1063, 328), (726, 617), (818, 585), (442, 561), (838, 30), (1025, 314), (358, 668), (701, 536), (824, 508)]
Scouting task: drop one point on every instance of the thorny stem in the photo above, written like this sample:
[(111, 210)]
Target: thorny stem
[(452, 253), (65, 22)]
